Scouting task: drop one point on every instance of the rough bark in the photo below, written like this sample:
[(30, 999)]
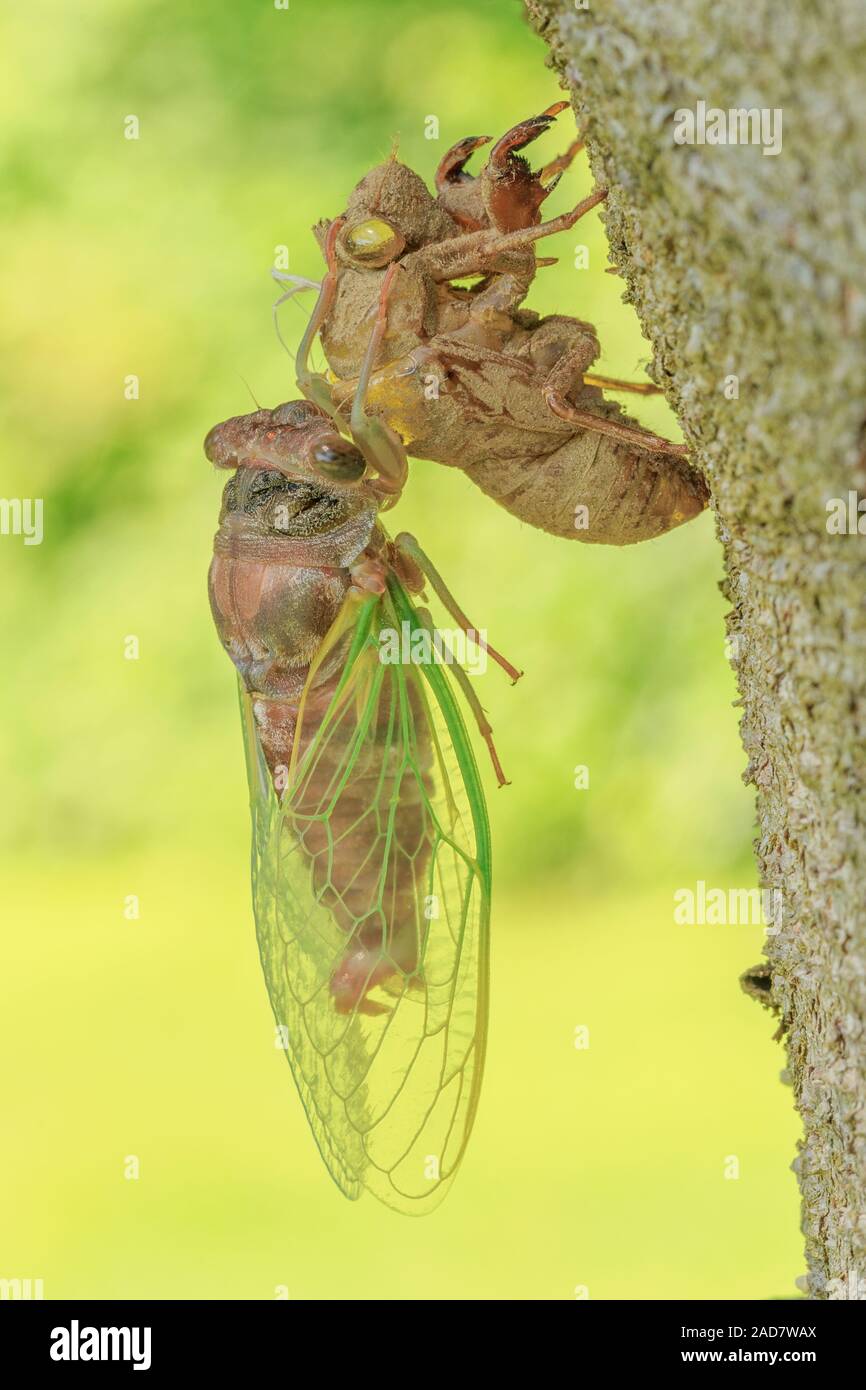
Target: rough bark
[(753, 266)]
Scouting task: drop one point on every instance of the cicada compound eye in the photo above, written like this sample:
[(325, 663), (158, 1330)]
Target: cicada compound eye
[(339, 461), (373, 243)]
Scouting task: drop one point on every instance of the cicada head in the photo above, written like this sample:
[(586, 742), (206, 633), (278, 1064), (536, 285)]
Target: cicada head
[(298, 440), (297, 481)]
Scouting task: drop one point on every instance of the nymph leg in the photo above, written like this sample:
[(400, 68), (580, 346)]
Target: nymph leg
[(380, 445), (570, 369), (313, 384), (472, 253)]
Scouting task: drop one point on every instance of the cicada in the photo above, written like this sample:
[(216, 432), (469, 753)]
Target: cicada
[(371, 844), (420, 318)]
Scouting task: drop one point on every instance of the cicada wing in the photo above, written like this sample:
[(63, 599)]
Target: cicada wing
[(376, 859)]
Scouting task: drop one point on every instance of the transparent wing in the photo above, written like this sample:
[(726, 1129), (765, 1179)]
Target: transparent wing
[(371, 884)]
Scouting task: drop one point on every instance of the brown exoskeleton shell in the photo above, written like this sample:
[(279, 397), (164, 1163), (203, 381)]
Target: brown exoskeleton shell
[(464, 406), (467, 377)]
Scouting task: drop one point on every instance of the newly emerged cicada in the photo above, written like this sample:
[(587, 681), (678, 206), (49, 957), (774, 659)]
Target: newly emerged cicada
[(371, 847)]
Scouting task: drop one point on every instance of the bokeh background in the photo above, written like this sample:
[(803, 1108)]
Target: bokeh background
[(599, 1169)]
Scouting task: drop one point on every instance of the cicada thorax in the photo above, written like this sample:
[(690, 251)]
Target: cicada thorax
[(274, 596)]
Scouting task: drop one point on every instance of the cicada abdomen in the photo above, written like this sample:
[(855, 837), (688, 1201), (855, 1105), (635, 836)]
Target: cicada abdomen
[(371, 864)]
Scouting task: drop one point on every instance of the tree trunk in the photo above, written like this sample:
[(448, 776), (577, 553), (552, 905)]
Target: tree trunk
[(748, 272)]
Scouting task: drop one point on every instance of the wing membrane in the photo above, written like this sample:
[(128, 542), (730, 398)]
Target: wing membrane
[(376, 859)]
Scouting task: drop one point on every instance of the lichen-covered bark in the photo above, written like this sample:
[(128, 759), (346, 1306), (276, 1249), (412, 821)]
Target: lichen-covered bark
[(752, 266)]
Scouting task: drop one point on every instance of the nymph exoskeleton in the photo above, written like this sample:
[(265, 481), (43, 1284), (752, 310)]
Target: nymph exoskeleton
[(371, 847), (462, 375)]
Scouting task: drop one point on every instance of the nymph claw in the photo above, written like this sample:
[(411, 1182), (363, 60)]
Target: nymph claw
[(452, 166), (458, 192), (515, 192), (507, 194)]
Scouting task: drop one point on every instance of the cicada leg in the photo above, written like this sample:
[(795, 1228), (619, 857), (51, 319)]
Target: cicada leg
[(380, 445), (612, 383), (507, 192), (457, 191), (407, 545), (472, 253), (452, 166), (512, 191), (572, 367), (550, 172), (614, 429), (314, 385), (484, 727)]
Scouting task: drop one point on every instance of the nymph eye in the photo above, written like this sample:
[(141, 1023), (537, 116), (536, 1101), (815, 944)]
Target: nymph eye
[(339, 461), (374, 242)]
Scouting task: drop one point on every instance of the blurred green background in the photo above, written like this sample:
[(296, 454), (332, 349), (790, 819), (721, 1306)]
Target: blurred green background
[(599, 1168)]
